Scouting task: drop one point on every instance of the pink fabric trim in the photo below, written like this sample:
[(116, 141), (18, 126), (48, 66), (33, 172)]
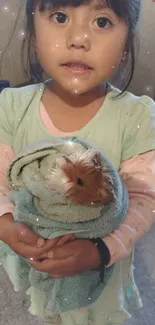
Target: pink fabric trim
[(6, 156), (47, 122)]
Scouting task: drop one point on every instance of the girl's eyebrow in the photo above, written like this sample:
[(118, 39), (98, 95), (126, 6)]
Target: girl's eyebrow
[(99, 6)]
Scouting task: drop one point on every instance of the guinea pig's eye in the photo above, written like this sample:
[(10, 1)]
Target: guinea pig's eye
[(80, 181)]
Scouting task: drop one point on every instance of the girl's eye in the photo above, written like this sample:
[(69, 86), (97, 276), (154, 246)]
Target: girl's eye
[(102, 22), (59, 17)]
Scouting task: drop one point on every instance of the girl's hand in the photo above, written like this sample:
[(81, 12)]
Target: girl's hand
[(72, 258), (24, 241)]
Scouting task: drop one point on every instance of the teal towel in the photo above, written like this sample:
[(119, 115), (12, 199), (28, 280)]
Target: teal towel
[(50, 214)]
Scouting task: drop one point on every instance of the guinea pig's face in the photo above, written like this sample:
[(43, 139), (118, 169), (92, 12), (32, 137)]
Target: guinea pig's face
[(86, 181)]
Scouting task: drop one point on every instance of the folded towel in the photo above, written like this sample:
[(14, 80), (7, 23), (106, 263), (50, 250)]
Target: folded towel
[(51, 214)]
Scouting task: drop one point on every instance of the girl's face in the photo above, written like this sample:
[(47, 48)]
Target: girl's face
[(80, 47)]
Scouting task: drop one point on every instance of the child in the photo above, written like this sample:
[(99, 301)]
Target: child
[(81, 45)]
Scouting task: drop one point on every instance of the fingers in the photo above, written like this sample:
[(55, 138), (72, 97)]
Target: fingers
[(32, 245), (65, 239), (51, 244), (57, 242), (37, 252), (52, 266), (27, 236), (58, 252), (55, 275)]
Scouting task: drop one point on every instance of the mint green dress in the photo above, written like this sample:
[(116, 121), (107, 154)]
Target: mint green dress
[(122, 128)]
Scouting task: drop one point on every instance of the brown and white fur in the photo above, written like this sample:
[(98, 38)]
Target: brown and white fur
[(82, 179)]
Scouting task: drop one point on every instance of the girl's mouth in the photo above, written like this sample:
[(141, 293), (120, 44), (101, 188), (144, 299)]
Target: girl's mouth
[(77, 67)]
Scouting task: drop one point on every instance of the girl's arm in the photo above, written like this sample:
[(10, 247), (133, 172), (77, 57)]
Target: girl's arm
[(6, 156), (138, 174)]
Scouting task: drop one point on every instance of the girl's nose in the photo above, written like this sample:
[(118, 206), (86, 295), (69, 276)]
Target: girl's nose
[(79, 38)]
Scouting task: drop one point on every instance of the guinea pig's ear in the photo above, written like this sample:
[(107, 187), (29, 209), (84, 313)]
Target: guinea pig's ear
[(63, 161), (96, 158)]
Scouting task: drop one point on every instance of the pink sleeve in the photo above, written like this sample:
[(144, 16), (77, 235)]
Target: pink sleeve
[(6, 155), (138, 174)]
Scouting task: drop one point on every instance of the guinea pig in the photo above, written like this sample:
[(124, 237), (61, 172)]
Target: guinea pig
[(82, 179)]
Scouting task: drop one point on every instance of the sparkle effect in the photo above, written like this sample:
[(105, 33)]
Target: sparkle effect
[(149, 90), (6, 9)]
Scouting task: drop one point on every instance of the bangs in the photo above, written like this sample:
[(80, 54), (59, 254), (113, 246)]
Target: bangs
[(116, 5), (54, 4), (128, 10)]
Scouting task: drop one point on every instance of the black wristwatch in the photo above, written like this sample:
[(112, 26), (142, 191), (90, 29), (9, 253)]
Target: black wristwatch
[(104, 256)]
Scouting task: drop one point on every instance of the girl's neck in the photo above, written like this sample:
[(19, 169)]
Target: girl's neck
[(76, 101), (70, 113)]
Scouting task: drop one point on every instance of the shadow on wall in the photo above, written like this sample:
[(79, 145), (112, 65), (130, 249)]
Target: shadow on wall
[(144, 78), (9, 11)]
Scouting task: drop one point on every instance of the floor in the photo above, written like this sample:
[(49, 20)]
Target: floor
[(13, 306)]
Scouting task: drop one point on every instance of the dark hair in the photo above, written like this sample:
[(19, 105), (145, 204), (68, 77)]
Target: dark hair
[(129, 10)]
